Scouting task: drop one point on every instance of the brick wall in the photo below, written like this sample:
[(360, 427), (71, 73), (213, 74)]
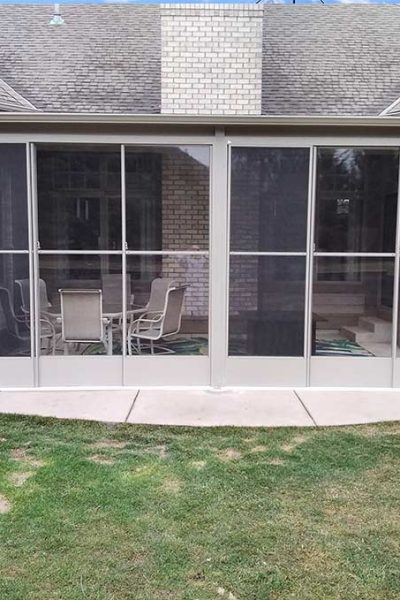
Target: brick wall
[(211, 58), (185, 226)]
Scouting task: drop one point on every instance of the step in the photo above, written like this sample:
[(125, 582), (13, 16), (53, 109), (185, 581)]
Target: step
[(359, 334), (376, 324), (336, 309), (347, 298)]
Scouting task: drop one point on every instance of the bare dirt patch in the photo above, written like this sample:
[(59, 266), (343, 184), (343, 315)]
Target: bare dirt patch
[(198, 464), (101, 460), (258, 449), (172, 485), (371, 431), (5, 505), (113, 444), (229, 454), (296, 441), (250, 440), (225, 594), (18, 479), (161, 451), (277, 462), (21, 455)]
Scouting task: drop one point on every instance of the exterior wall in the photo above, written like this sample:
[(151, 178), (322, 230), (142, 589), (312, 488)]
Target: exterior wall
[(185, 226), (211, 59)]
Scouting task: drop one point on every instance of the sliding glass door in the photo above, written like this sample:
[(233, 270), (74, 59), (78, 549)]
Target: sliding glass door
[(354, 266), (267, 266), (79, 240), (122, 264), (167, 249), (16, 324), (314, 266)]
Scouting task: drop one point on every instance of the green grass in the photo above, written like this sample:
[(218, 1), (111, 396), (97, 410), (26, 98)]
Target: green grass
[(142, 513)]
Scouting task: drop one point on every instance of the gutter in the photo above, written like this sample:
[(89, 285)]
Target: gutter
[(216, 120)]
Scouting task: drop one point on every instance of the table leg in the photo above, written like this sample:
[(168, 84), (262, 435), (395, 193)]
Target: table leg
[(109, 339)]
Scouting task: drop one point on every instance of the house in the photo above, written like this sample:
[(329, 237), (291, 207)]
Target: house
[(200, 195)]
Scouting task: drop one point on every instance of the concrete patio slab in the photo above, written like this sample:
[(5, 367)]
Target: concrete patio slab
[(351, 407), (109, 406), (261, 408)]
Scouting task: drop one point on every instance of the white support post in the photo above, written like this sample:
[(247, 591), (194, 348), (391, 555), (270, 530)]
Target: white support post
[(396, 283), (34, 275), (219, 259)]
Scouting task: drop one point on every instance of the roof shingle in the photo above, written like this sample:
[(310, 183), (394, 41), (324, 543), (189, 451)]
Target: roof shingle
[(330, 60), (103, 59)]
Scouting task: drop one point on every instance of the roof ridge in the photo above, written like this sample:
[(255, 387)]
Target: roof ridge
[(11, 100)]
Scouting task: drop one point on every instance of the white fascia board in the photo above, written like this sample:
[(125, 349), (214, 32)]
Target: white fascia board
[(213, 120)]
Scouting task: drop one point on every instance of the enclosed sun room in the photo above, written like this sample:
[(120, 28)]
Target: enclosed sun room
[(208, 260)]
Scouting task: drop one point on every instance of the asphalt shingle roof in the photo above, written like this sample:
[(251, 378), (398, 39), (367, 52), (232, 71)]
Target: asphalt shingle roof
[(317, 60), (103, 59), (330, 60)]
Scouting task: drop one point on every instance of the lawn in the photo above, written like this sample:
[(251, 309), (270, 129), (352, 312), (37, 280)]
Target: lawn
[(104, 512)]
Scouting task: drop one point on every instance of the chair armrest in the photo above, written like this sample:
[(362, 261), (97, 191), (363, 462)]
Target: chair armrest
[(48, 323), (151, 317), (144, 320)]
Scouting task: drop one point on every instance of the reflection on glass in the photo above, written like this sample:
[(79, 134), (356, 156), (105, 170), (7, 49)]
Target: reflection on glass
[(266, 306), (356, 200), (353, 317), (79, 197), (151, 277), (167, 197), (13, 197), (14, 315), (269, 190), (88, 321)]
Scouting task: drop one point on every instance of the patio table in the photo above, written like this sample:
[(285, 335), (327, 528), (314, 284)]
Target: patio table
[(111, 312)]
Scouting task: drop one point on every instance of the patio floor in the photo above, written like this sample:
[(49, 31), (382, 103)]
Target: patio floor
[(208, 408)]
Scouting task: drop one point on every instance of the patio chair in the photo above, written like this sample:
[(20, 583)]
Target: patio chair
[(156, 302), (20, 341), (157, 325), (112, 290), (24, 290), (82, 319), (112, 296)]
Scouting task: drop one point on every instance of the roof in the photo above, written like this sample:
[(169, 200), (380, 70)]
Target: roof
[(331, 59), (104, 59), (316, 59)]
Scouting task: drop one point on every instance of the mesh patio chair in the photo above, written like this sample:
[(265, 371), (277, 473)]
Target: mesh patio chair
[(112, 296), (156, 302), (48, 323), (153, 326), (112, 289), (20, 341), (23, 286), (82, 319)]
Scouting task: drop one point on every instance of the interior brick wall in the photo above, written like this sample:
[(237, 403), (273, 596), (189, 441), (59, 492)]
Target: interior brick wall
[(185, 226)]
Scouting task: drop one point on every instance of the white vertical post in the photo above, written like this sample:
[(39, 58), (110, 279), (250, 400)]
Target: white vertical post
[(30, 244), (35, 306), (396, 275), (123, 238), (219, 259), (310, 261)]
